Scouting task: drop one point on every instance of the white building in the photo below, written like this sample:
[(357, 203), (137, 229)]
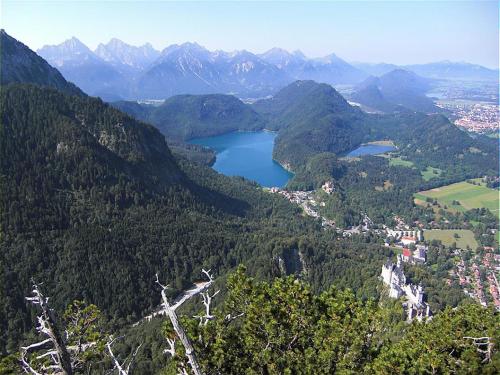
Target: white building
[(328, 187), (400, 234), (393, 276)]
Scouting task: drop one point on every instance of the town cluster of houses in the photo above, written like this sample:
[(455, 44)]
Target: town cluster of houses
[(478, 275)]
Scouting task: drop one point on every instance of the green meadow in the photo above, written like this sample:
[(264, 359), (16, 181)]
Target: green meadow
[(470, 196), (447, 237)]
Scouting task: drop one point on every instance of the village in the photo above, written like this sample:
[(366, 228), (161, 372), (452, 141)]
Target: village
[(476, 273), (308, 202)]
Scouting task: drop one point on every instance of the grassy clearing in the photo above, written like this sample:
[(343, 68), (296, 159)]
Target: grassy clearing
[(430, 173), (446, 236), (470, 196), (398, 162)]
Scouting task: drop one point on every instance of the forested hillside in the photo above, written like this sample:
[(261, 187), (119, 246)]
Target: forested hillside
[(183, 117), (313, 118)]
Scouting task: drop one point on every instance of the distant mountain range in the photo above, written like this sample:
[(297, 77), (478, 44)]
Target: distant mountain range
[(119, 71)]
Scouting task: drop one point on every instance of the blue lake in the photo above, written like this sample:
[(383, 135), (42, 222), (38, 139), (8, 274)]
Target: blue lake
[(247, 154), (370, 149)]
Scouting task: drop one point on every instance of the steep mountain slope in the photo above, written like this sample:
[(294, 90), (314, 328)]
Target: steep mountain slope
[(21, 65), (396, 88), (93, 204), (80, 65), (183, 117), (304, 96), (117, 70)]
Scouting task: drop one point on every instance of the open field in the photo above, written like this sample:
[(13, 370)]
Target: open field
[(397, 161), (430, 173), (446, 236), (470, 196)]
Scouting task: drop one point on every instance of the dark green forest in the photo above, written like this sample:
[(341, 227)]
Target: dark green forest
[(183, 117), (94, 204)]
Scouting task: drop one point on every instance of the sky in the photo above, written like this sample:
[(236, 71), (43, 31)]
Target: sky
[(399, 32)]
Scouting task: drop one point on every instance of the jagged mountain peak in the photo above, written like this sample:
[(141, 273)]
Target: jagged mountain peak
[(74, 44), (70, 51), (187, 47), (283, 59), (120, 53)]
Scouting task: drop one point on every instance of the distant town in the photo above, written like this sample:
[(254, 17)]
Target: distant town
[(476, 117)]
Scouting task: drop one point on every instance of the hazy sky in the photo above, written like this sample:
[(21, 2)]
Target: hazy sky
[(396, 31)]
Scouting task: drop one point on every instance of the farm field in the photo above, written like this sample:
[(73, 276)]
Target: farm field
[(470, 196), (446, 236)]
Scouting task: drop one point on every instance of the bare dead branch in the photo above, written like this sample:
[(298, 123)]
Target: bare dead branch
[(25, 364), (171, 350), (179, 330), (122, 368), (207, 300), (47, 326), (480, 343)]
